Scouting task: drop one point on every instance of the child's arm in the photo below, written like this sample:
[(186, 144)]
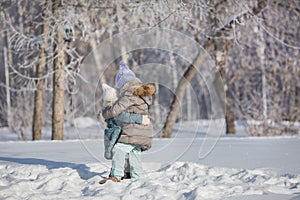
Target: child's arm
[(120, 106), (129, 118)]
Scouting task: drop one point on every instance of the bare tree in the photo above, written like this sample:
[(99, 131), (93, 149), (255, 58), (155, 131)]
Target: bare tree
[(7, 80), (259, 70), (58, 77), (267, 70), (191, 70), (40, 72)]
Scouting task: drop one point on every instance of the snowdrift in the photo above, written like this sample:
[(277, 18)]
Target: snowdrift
[(66, 170), (180, 180)]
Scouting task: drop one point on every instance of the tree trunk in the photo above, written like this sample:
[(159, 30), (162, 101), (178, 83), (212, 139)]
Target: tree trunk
[(39, 93), (97, 56), (8, 103), (58, 94), (229, 118), (229, 114), (38, 100), (8, 57), (157, 111), (189, 109), (261, 55), (179, 93), (58, 79)]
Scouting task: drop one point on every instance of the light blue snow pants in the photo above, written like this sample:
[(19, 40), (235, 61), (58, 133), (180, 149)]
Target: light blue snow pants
[(122, 151)]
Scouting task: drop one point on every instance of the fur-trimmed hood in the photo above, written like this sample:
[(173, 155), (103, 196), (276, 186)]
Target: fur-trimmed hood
[(145, 90), (137, 88)]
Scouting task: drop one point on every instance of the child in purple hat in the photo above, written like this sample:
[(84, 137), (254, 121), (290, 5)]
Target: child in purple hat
[(134, 97)]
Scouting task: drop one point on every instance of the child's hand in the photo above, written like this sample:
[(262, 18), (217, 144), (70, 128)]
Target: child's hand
[(145, 120)]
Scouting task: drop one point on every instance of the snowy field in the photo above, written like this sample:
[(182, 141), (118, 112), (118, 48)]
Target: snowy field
[(237, 168)]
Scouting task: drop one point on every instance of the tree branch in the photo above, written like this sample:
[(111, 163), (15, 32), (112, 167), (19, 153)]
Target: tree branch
[(242, 18)]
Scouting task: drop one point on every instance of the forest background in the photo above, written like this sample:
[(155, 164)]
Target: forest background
[(54, 55)]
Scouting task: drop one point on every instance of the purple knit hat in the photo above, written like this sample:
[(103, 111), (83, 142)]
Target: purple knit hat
[(124, 75)]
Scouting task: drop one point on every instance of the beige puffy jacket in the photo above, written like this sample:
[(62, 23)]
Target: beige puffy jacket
[(134, 98)]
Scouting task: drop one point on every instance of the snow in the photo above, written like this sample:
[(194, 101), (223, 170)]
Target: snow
[(236, 168)]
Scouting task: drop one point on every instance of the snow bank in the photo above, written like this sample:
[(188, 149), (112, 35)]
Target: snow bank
[(180, 180), (236, 168)]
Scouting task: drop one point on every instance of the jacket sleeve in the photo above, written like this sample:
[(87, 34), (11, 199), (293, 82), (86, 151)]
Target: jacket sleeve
[(128, 118), (120, 106)]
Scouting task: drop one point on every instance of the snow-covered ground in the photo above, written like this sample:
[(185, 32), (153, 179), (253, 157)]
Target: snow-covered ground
[(237, 168)]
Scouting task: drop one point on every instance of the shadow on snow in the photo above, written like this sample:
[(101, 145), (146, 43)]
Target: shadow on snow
[(82, 170)]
